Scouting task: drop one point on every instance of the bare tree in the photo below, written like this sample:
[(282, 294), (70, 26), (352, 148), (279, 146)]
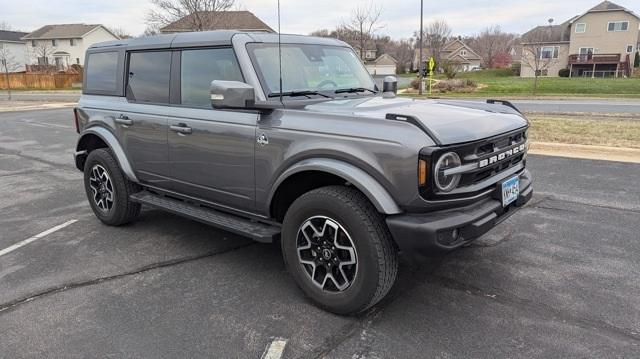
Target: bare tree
[(165, 12), (492, 41), (402, 51), (8, 63), (4, 26), (435, 35), (120, 32), (41, 52), (538, 51), (364, 22)]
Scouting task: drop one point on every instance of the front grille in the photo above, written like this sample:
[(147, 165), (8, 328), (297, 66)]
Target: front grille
[(475, 153)]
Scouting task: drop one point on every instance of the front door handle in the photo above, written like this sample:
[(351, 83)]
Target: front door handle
[(124, 120), (181, 129)]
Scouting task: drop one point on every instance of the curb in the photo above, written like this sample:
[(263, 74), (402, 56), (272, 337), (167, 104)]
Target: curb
[(48, 106), (604, 153)]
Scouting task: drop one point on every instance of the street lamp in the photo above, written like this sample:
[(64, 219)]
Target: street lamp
[(421, 64)]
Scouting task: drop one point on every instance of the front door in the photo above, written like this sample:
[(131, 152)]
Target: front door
[(212, 156), (211, 152)]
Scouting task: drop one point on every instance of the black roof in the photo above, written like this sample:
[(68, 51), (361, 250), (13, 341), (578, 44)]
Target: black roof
[(13, 36), (207, 38)]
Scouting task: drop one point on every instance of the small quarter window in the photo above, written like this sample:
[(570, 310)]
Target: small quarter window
[(200, 67), (148, 77), (101, 72)]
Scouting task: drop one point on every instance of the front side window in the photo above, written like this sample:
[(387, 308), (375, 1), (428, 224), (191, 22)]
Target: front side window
[(102, 68), (199, 67), (148, 78), (581, 28), (314, 68), (619, 26), (550, 52)]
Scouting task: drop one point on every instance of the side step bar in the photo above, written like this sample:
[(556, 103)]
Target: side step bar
[(257, 231)]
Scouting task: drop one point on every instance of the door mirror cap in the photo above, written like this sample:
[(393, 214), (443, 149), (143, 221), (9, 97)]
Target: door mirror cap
[(232, 94)]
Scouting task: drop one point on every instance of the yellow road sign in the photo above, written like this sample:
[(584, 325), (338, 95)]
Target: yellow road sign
[(432, 64)]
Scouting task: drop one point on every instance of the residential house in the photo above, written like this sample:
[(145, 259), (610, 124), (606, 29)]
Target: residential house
[(12, 45), (384, 65), (63, 45), (455, 51), (218, 20), (600, 42)]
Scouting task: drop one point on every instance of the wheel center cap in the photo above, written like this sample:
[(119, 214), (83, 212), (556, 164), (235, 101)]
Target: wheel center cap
[(326, 254)]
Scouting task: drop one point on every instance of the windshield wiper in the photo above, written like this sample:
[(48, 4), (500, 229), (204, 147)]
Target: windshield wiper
[(297, 94), (354, 90)]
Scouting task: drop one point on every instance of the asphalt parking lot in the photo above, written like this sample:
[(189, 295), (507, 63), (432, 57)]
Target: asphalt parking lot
[(560, 278)]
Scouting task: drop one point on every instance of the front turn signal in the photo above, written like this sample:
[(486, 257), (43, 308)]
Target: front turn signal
[(422, 172)]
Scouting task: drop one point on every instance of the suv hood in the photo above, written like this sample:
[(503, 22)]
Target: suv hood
[(447, 121)]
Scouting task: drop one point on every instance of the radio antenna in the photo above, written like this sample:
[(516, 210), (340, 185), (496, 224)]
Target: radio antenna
[(280, 53)]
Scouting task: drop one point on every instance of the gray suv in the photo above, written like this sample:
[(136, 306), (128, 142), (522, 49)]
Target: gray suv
[(307, 151)]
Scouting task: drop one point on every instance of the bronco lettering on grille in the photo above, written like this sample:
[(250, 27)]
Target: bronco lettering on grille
[(501, 156)]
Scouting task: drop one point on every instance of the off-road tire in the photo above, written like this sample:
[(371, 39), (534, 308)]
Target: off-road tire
[(377, 255), (123, 210)]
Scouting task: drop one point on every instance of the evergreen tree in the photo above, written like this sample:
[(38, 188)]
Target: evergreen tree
[(636, 63)]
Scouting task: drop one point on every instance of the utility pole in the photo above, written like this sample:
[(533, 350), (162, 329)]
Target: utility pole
[(421, 65)]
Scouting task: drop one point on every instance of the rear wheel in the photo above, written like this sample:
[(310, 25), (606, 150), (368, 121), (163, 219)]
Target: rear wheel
[(338, 249), (108, 189)]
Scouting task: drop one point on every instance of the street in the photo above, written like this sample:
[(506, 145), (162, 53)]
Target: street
[(557, 279)]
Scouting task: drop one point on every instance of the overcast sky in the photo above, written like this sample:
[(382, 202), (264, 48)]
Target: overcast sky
[(400, 17)]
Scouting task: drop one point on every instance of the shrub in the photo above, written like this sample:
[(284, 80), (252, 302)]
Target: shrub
[(564, 72), (415, 84), (454, 85)]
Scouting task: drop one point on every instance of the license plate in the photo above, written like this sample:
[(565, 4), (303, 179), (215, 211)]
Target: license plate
[(510, 190)]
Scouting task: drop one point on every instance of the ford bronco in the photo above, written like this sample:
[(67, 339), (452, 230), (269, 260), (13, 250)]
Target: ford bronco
[(307, 151)]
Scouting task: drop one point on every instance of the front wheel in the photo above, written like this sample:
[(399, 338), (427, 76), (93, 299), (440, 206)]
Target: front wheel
[(338, 249)]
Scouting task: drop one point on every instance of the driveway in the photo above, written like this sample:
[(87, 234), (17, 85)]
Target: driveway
[(557, 279)]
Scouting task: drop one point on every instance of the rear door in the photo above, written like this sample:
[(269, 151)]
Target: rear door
[(211, 152), (142, 126)]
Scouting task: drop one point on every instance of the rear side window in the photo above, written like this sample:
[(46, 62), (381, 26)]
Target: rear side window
[(200, 67), (102, 71), (148, 78)]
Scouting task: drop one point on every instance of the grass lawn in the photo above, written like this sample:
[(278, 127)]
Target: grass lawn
[(597, 130), (503, 83)]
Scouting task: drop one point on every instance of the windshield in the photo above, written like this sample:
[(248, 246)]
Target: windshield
[(309, 70)]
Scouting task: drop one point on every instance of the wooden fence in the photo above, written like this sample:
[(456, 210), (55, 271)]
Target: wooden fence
[(24, 80)]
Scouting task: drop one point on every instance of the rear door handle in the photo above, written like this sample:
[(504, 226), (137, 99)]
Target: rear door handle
[(124, 120), (181, 129)]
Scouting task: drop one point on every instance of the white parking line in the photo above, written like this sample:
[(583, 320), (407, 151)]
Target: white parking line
[(36, 237), (275, 349)]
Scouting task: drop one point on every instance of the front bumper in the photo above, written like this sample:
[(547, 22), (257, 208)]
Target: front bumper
[(436, 233)]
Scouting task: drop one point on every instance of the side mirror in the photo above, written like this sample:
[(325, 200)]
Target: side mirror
[(232, 94)]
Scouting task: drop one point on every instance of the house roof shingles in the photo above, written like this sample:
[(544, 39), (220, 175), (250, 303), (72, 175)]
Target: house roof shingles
[(551, 34), (607, 6), (220, 20), (12, 36), (63, 31)]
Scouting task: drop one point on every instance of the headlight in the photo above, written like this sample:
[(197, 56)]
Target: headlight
[(447, 161)]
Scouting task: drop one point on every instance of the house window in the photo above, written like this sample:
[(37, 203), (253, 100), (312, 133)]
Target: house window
[(618, 26), (550, 52), (629, 49), (77, 61), (463, 52), (581, 28), (33, 43), (54, 42), (72, 42)]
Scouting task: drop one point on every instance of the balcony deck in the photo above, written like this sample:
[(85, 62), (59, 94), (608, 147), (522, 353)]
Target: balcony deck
[(591, 59)]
